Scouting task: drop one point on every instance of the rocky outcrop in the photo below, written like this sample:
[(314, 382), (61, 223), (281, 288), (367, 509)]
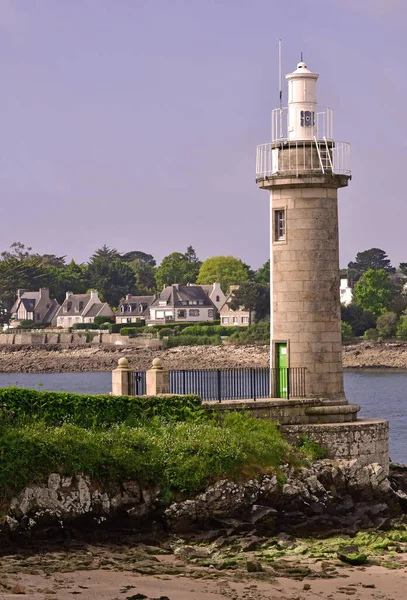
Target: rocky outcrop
[(326, 498)]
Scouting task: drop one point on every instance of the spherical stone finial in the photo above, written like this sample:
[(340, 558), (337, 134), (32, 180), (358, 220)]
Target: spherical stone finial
[(157, 364), (123, 363)]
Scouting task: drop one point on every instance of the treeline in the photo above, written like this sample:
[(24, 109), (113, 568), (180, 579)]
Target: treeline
[(378, 308), (115, 274)]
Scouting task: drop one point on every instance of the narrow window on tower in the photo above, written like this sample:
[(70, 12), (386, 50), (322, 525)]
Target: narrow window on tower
[(279, 225)]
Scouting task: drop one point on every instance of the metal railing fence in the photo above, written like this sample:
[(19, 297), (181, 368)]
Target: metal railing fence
[(233, 384)]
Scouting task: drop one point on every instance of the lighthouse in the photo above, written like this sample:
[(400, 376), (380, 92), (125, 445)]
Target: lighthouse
[(302, 168)]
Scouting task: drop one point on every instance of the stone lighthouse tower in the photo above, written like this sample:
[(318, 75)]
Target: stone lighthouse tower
[(302, 168)]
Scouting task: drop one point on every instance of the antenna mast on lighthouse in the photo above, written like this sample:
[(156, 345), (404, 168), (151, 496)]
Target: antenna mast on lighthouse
[(280, 88)]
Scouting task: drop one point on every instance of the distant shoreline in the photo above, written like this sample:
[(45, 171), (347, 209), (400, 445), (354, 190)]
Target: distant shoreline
[(58, 359)]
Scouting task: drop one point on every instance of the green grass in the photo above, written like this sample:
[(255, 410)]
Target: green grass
[(183, 456)]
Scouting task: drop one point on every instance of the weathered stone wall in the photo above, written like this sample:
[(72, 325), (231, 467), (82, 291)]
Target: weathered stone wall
[(76, 339), (365, 440)]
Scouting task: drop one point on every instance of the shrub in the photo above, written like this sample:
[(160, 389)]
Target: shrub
[(371, 334), (192, 340), (115, 327), (311, 449), (165, 331), (401, 332), (77, 326), (54, 408), (259, 333), (346, 331), (386, 324), (130, 331), (99, 320)]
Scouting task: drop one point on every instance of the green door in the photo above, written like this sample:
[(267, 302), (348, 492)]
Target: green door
[(282, 371)]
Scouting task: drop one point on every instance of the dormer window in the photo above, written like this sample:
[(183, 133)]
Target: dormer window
[(69, 305), (122, 308), (81, 305)]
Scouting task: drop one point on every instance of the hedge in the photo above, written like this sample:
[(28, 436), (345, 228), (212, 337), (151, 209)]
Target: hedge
[(85, 326), (210, 330), (192, 340), (55, 408)]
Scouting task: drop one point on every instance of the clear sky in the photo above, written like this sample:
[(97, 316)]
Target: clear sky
[(134, 123)]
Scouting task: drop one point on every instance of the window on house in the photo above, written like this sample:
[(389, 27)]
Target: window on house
[(81, 305), (141, 308), (225, 320), (279, 225), (182, 314), (234, 320), (159, 314), (200, 302), (210, 313), (217, 298), (194, 312), (245, 319), (128, 320), (38, 317), (124, 320), (69, 305), (122, 308)]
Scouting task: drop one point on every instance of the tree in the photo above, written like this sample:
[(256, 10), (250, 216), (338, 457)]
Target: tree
[(138, 255), (253, 297), (227, 270), (373, 291), (263, 274), (370, 259), (178, 268), (359, 319), (387, 324), (19, 269), (403, 268), (145, 276), (112, 277), (72, 277)]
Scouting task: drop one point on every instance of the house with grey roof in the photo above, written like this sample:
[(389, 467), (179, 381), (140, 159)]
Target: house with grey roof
[(81, 308), (180, 304), (214, 292), (134, 308), (37, 307)]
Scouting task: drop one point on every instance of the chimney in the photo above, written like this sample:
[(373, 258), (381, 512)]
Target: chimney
[(44, 293), (69, 294), (128, 296), (94, 295), (20, 293)]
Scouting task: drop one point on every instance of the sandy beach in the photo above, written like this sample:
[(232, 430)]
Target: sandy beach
[(60, 576)]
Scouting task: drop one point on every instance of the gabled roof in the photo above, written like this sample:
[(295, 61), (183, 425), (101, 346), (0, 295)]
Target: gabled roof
[(135, 302), (94, 309), (75, 300), (175, 295), (32, 296)]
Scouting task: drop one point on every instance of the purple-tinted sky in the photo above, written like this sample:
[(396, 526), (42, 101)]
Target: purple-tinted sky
[(134, 123)]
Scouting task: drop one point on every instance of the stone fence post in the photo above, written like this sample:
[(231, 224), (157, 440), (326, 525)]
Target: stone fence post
[(123, 379), (157, 379)]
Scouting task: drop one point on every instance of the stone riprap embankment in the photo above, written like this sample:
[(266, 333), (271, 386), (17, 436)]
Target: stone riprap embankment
[(88, 358), (326, 498)]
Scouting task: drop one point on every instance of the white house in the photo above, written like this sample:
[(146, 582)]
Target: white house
[(346, 292), (81, 308), (182, 303)]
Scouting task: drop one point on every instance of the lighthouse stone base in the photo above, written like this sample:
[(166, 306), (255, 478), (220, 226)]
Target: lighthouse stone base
[(334, 427)]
